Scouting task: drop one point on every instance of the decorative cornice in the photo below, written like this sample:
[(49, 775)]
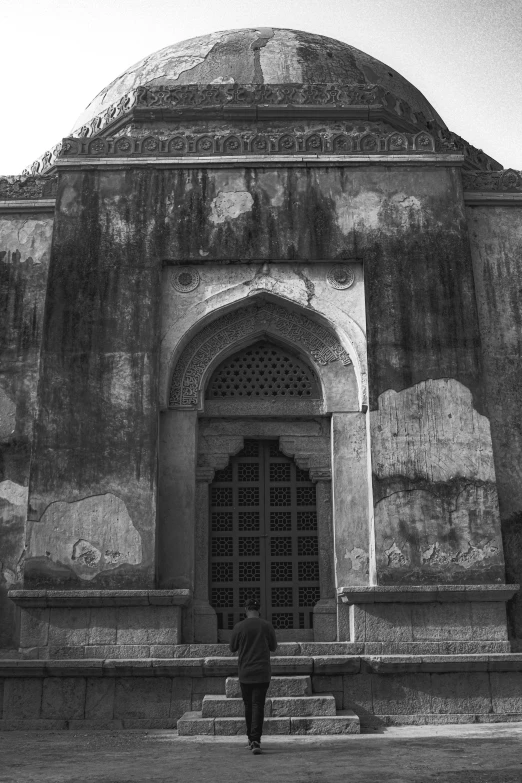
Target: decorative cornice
[(258, 102), (473, 199), (506, 181), (27, 187), (301, 161), (27, 207), (246, 144)]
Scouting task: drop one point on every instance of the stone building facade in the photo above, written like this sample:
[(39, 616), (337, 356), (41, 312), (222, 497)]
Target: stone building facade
[(261, 334)]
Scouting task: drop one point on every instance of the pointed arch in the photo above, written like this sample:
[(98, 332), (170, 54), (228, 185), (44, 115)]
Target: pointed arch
[(240, 327)]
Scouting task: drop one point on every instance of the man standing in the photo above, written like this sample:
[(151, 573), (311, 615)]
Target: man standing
[(253, 639)]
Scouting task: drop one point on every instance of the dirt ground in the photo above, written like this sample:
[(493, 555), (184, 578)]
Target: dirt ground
[(446, 754)]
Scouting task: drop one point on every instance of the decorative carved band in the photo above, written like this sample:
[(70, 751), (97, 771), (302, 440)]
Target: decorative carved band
[(233, 94), (29, 188), (508, 181), (258, 101), (287, 143), (320, 343)]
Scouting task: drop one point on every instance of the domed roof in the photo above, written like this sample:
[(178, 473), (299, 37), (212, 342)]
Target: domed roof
[(258, 56)]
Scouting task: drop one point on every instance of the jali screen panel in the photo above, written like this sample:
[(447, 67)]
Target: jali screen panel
[(263, 540)]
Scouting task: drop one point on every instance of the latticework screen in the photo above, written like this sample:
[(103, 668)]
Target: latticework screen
[(263, 370), (263, 538)]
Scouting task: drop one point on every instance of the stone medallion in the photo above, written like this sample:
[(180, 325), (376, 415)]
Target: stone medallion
[(185, 279), (340, 276)]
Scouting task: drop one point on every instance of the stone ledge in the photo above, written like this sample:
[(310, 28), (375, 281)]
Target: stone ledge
[(487, 199), (221, 667), (285, 650), (26, 205), (93, 598), (274, 161), (373, 594)]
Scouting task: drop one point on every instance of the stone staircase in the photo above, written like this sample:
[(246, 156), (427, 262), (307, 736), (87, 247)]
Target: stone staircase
[(290, 708)]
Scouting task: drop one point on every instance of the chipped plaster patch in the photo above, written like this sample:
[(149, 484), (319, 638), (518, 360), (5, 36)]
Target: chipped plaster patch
[(358, 558), (13, 493), (466, 558), (395, 556), (271, 183), (223, 80), (406, 210), (164, 66), (90, 535), (85, 553), (7, 415), (32, 238), (279, 60), (230, 205), (9, 577), (352, 211), (431, 431)]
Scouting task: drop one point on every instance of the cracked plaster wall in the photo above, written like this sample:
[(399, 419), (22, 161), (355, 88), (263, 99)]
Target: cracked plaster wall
[(436, 508), (88, 537), (496, 246), (25, 242), (94, 465), (115, 227)]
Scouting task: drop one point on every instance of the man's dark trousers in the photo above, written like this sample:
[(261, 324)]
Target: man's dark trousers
[(254, 695)]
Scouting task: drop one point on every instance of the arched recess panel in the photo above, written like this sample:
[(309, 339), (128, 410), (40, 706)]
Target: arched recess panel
[(264, 539), (257, 321)]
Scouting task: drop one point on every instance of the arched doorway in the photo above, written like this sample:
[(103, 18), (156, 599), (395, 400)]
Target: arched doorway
[(263, 372), (264, 540)]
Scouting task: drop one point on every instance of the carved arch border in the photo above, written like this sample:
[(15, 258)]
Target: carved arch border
[(233, 329)]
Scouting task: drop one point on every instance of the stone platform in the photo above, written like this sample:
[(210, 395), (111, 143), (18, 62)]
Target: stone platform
[(150, 693), (290, 708)]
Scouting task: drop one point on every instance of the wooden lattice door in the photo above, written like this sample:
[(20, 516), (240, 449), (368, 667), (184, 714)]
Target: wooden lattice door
[(263, 539)]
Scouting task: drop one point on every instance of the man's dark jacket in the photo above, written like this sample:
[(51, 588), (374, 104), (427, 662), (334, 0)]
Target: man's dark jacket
[(253, 639)]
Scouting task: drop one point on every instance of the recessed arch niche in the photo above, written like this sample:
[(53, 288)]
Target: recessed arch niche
[(293, 328), (201, 431)]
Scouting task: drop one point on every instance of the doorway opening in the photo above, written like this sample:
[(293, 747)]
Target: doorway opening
[(264, 540)]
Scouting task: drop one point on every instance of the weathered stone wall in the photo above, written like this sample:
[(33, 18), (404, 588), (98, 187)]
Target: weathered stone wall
[(496, 243), (93, 482), (93, 486), (25, 241)]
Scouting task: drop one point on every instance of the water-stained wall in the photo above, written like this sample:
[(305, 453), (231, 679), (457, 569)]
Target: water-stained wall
[(93, 481), (25, 241), (496, 243), (434, 486)]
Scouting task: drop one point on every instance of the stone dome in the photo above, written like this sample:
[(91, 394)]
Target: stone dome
[(261, 56)]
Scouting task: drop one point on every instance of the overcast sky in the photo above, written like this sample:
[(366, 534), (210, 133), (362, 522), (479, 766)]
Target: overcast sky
[(56, 55)]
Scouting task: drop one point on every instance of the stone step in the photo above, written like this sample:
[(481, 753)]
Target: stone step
[(275, 707), (346, 722), (305, 649), (279, 686)]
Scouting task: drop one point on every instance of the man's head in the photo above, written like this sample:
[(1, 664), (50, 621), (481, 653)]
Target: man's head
[(252, 607)]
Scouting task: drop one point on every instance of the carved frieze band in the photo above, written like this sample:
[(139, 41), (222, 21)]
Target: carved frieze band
[(233, 100), (234, 94), (507, 181), (321, 344), (286, 143), (30, 188)]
